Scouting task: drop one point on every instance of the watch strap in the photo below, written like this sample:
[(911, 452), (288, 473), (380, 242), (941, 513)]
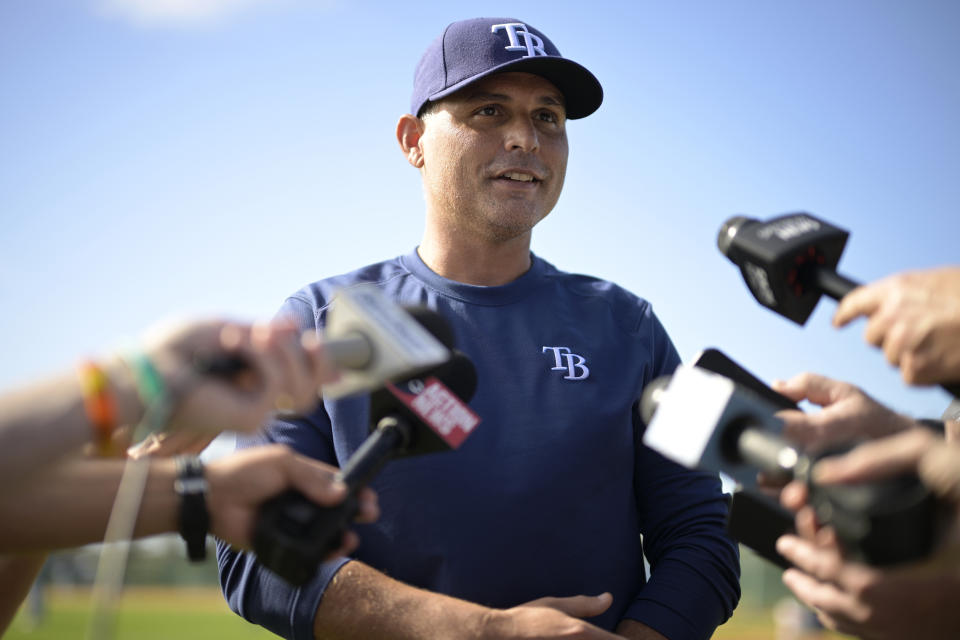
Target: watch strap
[(191, 486)]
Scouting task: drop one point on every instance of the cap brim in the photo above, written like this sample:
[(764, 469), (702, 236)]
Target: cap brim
[(581, 90)]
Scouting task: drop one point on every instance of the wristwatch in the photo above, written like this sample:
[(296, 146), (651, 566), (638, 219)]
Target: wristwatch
[(191, 486)]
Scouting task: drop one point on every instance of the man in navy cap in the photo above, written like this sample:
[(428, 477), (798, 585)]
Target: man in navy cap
[(532, 528)]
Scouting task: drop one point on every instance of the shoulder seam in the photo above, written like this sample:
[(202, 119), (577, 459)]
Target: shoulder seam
[(319, 310), (641, 309)]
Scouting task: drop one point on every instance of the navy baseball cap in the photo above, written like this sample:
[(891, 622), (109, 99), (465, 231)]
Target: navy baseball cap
[(469, 50)]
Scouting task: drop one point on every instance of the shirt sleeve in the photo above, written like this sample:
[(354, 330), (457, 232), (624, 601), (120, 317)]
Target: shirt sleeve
[(252, 591), (256, 593), (694, 581)]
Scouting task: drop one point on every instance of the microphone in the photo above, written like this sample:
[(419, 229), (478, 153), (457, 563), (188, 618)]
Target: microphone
[(755, 519), (420, 415), (789, 261), (369, 338), (717, 361), (703, 420)]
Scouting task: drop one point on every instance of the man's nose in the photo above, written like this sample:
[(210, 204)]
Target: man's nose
[(521, 135)]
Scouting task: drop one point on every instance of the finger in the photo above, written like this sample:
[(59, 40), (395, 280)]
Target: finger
[(862, 301), (237, 340), (307, 370), (799, 428), (315, 480), (818, 389), (794, 495), (792, 388), (822, 563), (919, 349), (826, 537), (248, 404), (881, 458), (877, 327), (368, 507), (349, 542), (837, 607), (895, 342), (806, 523), (939, 468), (576, 606), (912, 366), (297, 391)]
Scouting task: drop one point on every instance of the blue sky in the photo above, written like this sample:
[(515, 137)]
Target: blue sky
[(159, 160)]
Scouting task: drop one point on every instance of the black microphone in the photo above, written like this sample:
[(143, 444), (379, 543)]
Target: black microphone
[(424, 414), (705, 420), (789, 262)]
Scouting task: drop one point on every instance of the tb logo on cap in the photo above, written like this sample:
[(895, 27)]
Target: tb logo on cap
[(532, 43)]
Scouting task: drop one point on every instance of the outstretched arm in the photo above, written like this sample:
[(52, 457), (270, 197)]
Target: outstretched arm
[(43, 421), (81, 491)]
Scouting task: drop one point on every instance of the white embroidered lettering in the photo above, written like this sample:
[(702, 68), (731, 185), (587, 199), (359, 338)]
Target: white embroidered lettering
[(532, 43), (572, 363)]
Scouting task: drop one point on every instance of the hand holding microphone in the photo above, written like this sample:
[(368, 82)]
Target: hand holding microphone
[(915, 318), (703, 420), (789, 261), (423, 414), (848, 413), (909, 600), (241, 373)]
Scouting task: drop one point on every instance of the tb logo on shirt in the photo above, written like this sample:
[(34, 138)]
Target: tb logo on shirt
[(565, 360)]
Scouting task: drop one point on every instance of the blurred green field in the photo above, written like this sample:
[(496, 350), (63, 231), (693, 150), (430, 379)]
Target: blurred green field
[(200, 613), (145, 613)]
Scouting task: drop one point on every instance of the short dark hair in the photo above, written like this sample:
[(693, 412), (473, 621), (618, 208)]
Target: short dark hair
[(428, 108)]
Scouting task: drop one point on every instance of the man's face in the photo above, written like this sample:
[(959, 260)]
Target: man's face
[(495, 155)]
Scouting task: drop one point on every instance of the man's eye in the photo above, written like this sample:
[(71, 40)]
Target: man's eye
[(489, 110), (549, 116)]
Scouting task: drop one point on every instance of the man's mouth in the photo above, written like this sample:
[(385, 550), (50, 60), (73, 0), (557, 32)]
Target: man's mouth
[(517, 176)]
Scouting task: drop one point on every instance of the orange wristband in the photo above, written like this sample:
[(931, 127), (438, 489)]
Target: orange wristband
[(99, 405)]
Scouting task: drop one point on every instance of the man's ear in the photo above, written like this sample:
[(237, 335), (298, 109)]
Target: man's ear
[(409, 133)]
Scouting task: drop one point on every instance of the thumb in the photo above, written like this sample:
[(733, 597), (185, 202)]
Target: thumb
[(316, 480), (576, 606), (938, 470)]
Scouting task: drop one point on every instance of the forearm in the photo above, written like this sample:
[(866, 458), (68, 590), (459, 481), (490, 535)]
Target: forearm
[(81, 492), (364, 604), (43, 421), (633, 630)]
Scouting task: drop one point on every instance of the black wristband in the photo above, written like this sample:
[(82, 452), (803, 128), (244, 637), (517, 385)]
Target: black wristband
[(191, 486)]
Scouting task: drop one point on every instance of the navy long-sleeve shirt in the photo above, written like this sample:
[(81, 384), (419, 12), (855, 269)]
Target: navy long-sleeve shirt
[(551, 493)]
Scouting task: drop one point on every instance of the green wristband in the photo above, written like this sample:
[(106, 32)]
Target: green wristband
[(150, 385)]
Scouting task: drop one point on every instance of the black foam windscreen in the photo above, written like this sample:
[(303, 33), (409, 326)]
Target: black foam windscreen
[(433, 322), (459, 375)]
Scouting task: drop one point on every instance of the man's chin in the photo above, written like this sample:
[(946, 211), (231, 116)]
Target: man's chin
[(511, 229)]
